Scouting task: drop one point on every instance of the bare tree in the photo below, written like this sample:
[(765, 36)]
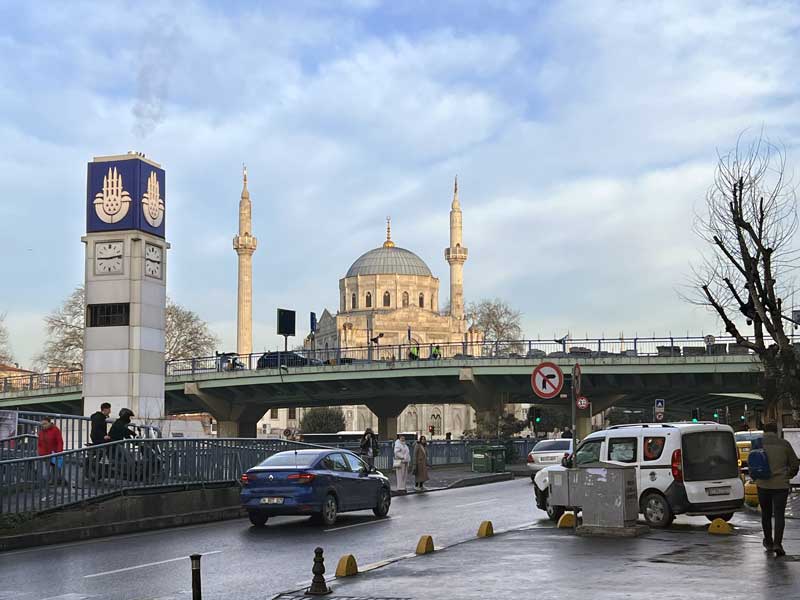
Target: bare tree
[(496, 319), (750, 224), (6, 356), (63, 348), (186, 334)]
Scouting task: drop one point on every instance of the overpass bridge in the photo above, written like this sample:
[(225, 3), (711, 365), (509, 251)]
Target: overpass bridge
[(238, 390)]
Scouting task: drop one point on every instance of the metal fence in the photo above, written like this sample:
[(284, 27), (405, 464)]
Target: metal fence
[(75, 429), (19, 446), (47, 482)]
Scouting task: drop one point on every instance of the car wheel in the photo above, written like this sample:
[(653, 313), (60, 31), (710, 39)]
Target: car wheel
[(384, 502), (554, 513), (258, 519), (656, 510), (330, 509), (724, 517)]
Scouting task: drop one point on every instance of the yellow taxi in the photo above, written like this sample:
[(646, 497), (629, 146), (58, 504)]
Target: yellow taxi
[(744, 443)]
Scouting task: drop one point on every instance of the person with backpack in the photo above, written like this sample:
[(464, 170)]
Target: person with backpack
[(772, 464)]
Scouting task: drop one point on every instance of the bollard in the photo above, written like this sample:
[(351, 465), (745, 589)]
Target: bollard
[(318, 585), (197, 593), (486, 529), (347, 566), (425, 545)]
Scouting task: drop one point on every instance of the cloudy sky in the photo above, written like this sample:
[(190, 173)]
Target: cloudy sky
[(584, 135)]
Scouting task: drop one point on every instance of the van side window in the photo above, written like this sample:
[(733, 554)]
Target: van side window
[(654, 447), (588, 452), (622, 450)]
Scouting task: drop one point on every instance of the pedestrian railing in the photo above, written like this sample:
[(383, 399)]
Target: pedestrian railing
[(19, 446), (36, 484), (75, 429), (589, 348)]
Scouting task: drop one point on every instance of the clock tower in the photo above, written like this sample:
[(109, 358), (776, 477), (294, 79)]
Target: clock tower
[(123, 356)]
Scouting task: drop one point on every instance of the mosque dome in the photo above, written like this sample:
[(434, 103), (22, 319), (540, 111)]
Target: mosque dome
[(390, 260)]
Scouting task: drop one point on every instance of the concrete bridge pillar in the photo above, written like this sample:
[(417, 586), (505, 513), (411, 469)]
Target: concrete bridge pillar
[(233, 420), (387, 411)]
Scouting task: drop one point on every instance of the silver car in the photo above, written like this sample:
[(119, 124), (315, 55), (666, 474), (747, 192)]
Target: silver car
[(548, 453)]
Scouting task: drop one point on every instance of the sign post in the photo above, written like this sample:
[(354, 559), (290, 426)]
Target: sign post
[(576, 389), (658, 409)]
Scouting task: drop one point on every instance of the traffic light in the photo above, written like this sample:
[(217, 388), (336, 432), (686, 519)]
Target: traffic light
[(533, 415), (742, 418), (430, 429), (716, 414), (695, 415)]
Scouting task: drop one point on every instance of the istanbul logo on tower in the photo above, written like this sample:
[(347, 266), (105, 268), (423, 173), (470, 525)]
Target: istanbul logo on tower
[(112, 203), (152, 203)]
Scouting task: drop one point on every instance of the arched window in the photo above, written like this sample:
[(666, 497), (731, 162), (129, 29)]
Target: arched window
[(387, 299), (369, 300), (422, 300), (354, 302), (405, 299)]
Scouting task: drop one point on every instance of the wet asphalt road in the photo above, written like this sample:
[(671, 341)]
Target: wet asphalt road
[(247, 563)]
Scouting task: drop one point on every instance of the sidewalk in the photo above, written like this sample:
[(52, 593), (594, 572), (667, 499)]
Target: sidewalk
[(544, 562), (448, 477)]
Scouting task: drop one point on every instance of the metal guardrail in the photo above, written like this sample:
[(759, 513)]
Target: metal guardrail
[(19, 446), (46, 482), (662, 347), (75, 429)]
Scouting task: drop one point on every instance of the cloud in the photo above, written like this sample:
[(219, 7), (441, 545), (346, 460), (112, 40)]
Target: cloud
[(583, 134)]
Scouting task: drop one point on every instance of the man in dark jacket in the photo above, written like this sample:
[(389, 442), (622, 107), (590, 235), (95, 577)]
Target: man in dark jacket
[(774, 492), (119, 430), (369, 447), (99, 434)]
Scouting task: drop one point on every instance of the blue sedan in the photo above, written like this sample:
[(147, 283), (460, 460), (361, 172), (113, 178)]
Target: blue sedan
[(319, 483)]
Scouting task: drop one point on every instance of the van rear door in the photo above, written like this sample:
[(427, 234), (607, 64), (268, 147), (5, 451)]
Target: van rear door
[(710, 466)]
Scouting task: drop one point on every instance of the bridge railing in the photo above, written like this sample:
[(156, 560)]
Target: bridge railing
[(30, 485), (662, 347)]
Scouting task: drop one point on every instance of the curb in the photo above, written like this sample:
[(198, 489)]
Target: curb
[(460, 483), (60, 536)]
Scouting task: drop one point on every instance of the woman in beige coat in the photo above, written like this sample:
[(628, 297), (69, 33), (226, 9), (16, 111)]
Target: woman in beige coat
[(420, 463)]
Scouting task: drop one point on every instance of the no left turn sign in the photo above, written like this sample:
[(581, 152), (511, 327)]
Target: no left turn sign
[(547, 380)]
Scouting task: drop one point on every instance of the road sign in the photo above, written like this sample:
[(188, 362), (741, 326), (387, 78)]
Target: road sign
[(582, 403), (547, 380), (576, 379), (660, 404)]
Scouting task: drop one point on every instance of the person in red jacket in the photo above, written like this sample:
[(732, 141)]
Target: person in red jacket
[(51, 442)]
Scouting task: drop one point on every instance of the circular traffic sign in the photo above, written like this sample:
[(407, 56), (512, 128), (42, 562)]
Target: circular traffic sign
[(576, 379), (547, 380), (582, 403), (659, 416)]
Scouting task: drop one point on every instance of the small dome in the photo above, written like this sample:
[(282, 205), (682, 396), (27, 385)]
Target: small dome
[(389, 260)]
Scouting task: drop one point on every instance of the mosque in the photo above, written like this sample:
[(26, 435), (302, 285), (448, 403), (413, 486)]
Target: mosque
[(388, 293)]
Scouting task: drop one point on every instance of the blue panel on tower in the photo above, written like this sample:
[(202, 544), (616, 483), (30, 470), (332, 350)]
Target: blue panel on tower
[(125, 193)]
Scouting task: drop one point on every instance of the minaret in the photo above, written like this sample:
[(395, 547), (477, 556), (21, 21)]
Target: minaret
[(245, 245), (456, 256)]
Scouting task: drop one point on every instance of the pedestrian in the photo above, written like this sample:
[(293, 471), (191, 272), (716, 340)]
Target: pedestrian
[(369, 447), (99, 433), (436, 353), (402, 457), (420, 464), (567, 434), (120, 430), (413, 354), (51, 442), (774, 492)]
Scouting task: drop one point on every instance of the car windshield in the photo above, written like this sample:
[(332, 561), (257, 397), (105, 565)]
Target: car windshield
[(301, 460), (709, 455), (552, 446)]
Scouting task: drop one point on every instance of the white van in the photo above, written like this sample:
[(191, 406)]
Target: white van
[(682, 468)]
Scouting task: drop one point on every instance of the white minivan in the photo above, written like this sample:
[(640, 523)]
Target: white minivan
[(682, 468)]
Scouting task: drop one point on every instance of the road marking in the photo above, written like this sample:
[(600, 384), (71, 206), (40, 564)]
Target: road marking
[(365, 523), (68, 597), (152, 564), (476, 503)]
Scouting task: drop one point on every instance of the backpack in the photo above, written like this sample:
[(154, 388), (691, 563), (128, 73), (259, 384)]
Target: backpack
[(758, 462)]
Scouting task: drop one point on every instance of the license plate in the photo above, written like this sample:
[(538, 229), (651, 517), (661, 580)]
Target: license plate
[(548, 459), (719, 491), (272, 501)]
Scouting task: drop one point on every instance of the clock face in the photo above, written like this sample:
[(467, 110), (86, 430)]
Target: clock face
[(152, 261), (108, 257)]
